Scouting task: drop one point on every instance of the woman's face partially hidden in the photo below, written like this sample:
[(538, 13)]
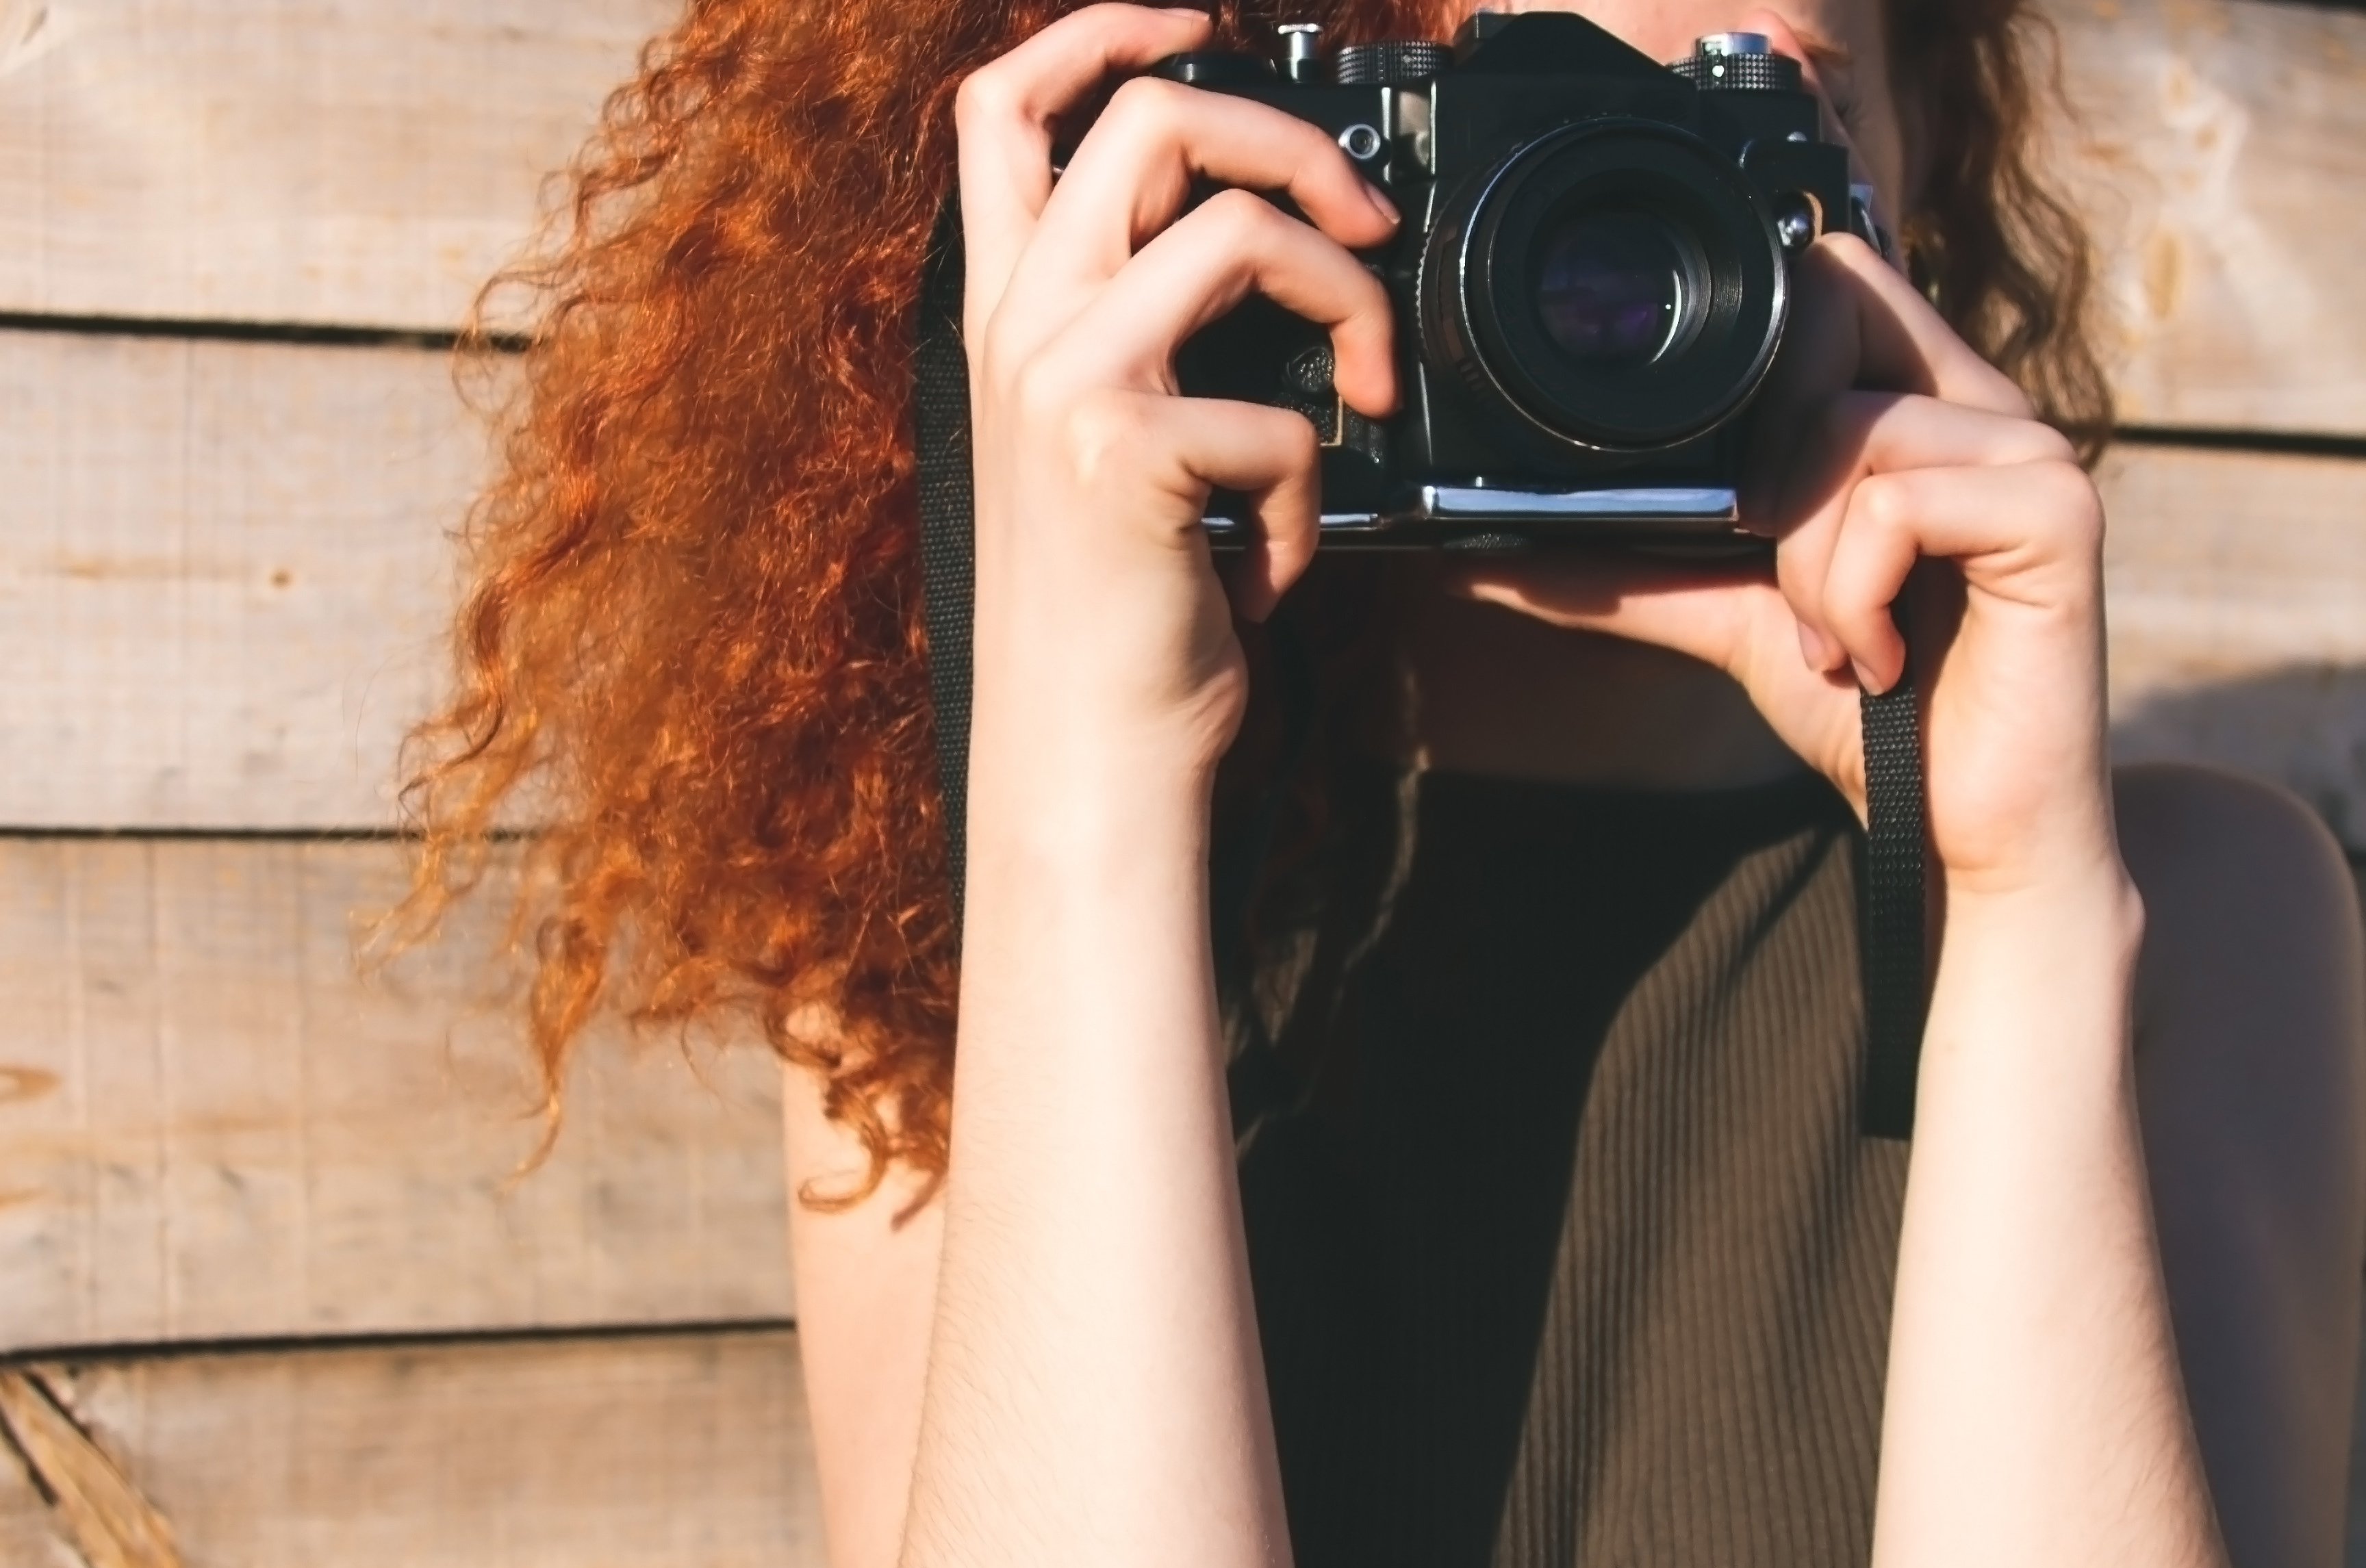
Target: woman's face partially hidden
[(1840, 43)]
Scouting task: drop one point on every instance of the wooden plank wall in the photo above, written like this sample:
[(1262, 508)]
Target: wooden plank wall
[(2217, 141), (239, 1181), (217, 1131), (263, 1268)]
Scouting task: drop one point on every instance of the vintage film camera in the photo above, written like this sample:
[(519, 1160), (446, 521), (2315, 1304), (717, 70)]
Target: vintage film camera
[(1591, 283)]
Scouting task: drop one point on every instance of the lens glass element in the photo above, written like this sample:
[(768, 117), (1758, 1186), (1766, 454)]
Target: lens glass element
[(1610, 286)]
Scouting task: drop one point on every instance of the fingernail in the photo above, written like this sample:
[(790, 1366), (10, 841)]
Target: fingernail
[(1192, 11), (1864, 677), (1812, 648), (1386, 208)]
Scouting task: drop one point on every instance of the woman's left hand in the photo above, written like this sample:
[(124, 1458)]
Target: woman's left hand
[(1893, 465)]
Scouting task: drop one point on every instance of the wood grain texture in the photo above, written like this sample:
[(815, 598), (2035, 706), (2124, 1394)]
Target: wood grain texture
[(659, 1451), (225, 573), (210, 1129), (2219, 155), (2237, 604), (373, 161), (225, 576), (31, 1533), (93, 1504), (327, 160)]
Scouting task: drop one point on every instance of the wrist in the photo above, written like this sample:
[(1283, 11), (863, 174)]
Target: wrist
[(2064, 938), (2032, 1005), (2091, 896), (1043, 819)]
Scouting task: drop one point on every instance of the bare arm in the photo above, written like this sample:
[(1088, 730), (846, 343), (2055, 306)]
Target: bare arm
[(2036, 1411), (866, 1290), (2209, 1263), (1093, 1391)]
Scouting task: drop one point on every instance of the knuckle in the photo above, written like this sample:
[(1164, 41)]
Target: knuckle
[(2071, 499), (1295, 436), (1035, 388), (1843, 247), (1231, 228), (1147, 106), (1883, 504), (1240, 215), (1103, 433), (985, 101), (2048, 444)]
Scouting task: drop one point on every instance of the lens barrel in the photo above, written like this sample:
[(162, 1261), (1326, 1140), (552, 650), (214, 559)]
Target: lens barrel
[(1618, 284)]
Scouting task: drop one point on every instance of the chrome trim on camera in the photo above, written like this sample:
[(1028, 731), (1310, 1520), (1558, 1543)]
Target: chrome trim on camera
[(1460, 503), (1439, 512)]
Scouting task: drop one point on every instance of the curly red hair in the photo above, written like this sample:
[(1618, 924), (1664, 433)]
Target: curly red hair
[(693, 654)]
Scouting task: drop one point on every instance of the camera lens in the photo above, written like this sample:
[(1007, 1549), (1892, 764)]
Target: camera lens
[(1616, 284), (1611, 287)]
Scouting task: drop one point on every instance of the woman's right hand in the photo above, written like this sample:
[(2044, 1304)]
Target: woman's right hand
[(1104, 645)]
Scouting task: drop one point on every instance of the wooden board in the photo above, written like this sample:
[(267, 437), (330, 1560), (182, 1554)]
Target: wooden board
[(210, 1129), (657, 1451), (29, 1536), (225, 578), (369, 160), (372, 162), (2222, 156), (2237, 602), (224, 573)]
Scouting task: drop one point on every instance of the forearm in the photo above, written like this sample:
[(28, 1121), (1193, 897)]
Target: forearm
[(2034, 1412), (1094, 1394)]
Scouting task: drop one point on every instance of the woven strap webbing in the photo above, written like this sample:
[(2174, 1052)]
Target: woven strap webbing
[(1890, 927), (948, 533)]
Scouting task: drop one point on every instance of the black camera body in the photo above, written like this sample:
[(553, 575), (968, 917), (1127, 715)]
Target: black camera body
[(1590, 285)]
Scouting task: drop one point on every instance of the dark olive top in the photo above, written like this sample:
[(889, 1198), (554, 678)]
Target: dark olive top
[(1587, 1264)]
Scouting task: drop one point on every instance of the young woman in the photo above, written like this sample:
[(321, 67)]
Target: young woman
[(1559, 1245)]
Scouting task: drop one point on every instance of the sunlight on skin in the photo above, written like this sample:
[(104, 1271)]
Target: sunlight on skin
[(1093, 1387)]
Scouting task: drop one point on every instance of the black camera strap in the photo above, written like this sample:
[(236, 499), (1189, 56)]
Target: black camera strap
[(1891, 871), (948, 523), (1891, 908)]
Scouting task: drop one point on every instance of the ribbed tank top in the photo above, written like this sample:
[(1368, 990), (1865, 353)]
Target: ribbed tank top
[(1586, 1264)]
